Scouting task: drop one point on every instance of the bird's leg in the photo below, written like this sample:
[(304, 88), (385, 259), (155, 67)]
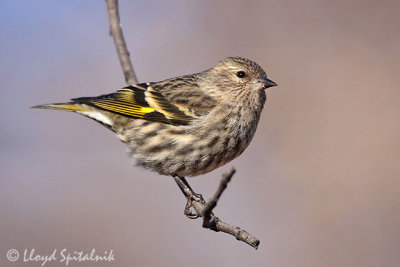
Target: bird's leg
[(190, 196)]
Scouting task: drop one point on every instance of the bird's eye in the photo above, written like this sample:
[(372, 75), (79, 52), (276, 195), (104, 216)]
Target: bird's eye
[(241, 74)]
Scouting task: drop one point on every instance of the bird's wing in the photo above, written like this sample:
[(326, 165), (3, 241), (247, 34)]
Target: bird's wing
[(185, 93), (140, 101)]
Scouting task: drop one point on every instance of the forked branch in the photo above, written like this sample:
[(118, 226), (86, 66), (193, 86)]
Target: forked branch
[(204, 209)]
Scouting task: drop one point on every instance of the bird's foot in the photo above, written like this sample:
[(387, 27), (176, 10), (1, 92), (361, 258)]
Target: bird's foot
[(189, 211)]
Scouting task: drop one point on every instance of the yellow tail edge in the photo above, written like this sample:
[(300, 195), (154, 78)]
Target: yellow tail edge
[(62, 106)]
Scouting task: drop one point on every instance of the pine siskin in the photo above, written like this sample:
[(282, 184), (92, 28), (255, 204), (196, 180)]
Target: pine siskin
[(184, 126)]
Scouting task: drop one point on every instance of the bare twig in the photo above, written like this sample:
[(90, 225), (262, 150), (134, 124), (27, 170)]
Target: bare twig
[(212, 203), (119, 41), (195, 201), (204, 209)]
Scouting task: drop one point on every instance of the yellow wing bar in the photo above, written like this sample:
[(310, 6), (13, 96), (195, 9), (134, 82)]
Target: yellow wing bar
[(139, 101)]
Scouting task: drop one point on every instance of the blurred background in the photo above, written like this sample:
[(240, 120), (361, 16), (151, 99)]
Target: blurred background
[(319, 185)]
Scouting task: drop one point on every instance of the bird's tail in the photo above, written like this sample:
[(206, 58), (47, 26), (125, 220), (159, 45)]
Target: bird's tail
[(86, 110), (64, 106)]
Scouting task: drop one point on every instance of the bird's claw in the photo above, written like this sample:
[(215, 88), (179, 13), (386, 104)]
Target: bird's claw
[(189, 211)]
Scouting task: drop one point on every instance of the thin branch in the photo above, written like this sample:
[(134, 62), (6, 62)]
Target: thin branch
[(204, 209), (119, 41), (212, 202)]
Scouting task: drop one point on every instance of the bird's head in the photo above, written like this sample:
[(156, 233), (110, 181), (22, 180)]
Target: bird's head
[(236, 79)]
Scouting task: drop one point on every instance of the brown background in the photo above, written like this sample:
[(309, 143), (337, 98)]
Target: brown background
[(319, 185)]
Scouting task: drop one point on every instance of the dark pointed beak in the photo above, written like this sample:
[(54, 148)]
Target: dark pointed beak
[(267, 82)]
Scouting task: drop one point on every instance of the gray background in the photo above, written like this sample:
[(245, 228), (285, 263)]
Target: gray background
[(319, 185)]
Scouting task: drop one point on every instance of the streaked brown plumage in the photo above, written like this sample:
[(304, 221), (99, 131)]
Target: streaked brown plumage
[(185, 126)]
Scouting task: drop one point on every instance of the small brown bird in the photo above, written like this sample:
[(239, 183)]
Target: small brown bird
[(184, 126)]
